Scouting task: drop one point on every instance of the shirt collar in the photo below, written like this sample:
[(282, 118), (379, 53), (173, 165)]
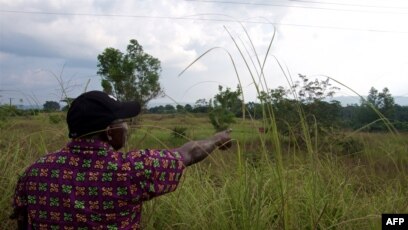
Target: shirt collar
[(89, 144)]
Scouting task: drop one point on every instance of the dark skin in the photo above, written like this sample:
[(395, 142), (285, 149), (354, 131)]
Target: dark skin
[(192, 151), (196, 151), (116, 135)]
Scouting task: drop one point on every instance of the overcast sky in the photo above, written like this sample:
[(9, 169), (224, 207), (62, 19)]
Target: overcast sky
[(46, 45)]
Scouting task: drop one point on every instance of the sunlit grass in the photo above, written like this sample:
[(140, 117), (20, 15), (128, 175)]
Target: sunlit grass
[(239, 188)]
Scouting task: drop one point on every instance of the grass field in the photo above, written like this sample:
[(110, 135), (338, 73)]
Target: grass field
[(263, 182)]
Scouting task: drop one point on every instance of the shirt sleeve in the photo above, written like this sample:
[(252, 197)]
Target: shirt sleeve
[(20, 196), (157, 172)]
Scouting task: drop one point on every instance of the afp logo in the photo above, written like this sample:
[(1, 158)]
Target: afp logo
[(394, 221)]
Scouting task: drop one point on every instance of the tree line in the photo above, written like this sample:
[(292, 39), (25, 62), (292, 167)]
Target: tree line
[(312, 98), (134, 75)]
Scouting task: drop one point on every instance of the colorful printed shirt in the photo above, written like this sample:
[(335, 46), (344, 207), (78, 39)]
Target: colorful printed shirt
[(88, 185)]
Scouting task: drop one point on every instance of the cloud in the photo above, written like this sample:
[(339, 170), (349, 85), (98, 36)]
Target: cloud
[(71, 34)]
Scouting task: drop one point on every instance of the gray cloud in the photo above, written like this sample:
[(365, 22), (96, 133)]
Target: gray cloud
[(73, 33), (25, 45)]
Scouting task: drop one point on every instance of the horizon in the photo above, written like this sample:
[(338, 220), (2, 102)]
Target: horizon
[(344, 101)]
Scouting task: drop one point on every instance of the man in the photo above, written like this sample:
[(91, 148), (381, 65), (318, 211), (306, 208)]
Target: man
[(89, 184)]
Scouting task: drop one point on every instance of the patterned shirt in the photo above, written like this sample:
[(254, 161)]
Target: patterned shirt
[(88, 185)]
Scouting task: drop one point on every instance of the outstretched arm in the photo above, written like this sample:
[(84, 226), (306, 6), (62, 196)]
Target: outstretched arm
[(196, 151)]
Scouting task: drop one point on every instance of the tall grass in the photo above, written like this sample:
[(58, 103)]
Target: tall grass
[(263, 182), (22, 141), (241, 188), (305, 193), (333, 192)]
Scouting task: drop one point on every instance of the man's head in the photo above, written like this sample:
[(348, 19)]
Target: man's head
[(97, 112), (116, 134)]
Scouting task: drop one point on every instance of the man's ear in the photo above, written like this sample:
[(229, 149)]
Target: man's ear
[(109, 133)]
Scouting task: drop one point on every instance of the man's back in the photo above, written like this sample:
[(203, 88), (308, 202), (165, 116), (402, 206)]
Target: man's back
[(87, 185)]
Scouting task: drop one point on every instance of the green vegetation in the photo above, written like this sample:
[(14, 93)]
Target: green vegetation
[(263, 182), (299, 161), (226, 105), (179, 132), (374, 113), (51, 106), (130, 76)]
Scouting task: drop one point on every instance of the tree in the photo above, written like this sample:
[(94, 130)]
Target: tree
[(221, 118), (169, 109), (157, 109), (373, 97), (386, 103), (278, 108), (130, 76), (180, 109), (201, 106), (383, 102), (50, 106), (254, 110), (226, 106), (401, 113), (294, 117), (316, 90), (229, 100), (188, 108)]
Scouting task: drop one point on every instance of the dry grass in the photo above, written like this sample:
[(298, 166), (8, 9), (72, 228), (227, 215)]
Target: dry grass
[(244, 187)]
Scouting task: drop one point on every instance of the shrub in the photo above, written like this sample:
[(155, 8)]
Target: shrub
[(221, 118), (56, 118), (179, 132), (7, 111), (350, 145)]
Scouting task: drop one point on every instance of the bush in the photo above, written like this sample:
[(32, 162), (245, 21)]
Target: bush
[(341, 144), (7, 111), (221, 118), (179, 132), (401, 126), (350, 145), (56, 118)]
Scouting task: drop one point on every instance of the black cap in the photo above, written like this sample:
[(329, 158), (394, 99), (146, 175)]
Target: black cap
[(95, 110)]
